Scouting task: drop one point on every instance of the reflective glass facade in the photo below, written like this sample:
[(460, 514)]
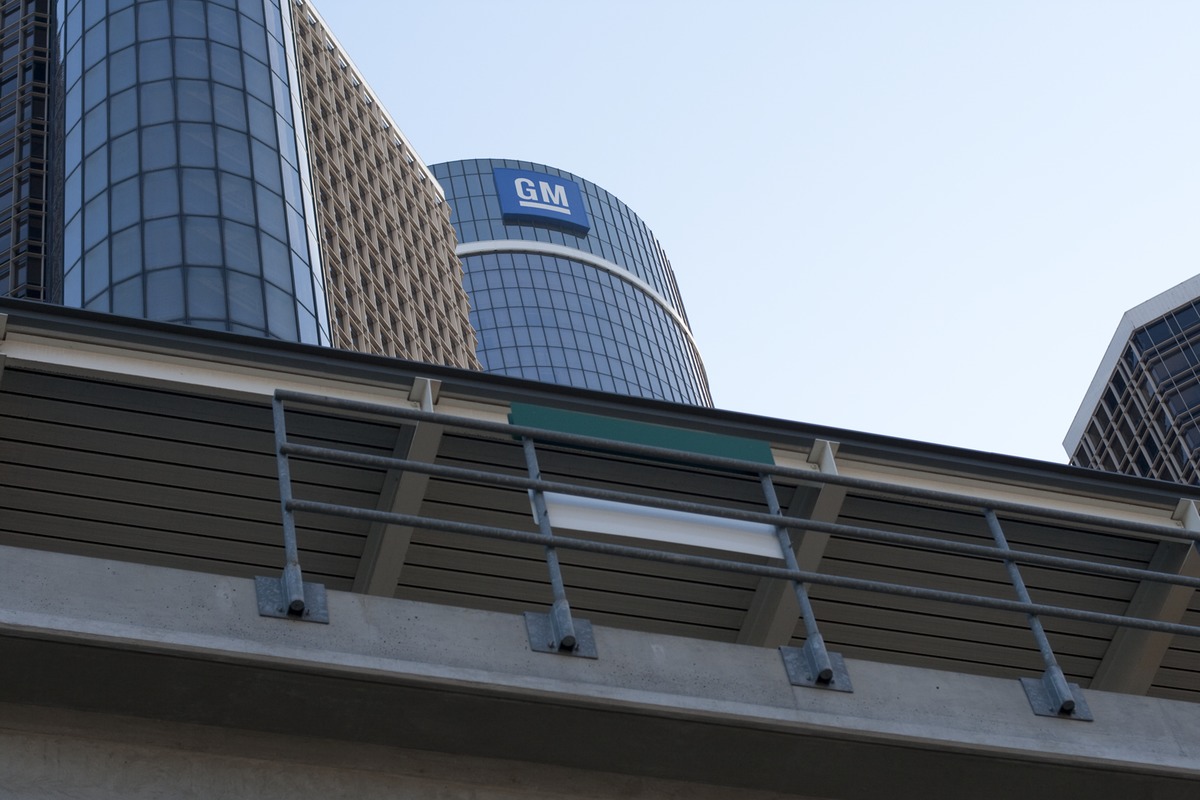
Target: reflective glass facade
[(1147, 419), (25, 70), (597, 309), (184, 172)]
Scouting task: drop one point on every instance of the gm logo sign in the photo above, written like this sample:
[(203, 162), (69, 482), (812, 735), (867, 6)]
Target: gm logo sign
[(535, 198)]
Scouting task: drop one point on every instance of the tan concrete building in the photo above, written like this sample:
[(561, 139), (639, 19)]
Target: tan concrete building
[(393, 281)]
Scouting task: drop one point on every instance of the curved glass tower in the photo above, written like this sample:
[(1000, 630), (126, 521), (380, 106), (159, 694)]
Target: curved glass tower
[(183, 181), (567, 284)]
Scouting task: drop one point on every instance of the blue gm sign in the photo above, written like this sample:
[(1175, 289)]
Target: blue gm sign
[(535, 198)]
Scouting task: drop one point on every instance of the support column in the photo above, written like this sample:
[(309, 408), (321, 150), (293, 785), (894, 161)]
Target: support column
[(773, 612)]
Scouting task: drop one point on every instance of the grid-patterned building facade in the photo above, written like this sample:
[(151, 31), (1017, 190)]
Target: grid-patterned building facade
[(395, 284), (568, 285), (25, 73), (1141, 414), (218, 163)]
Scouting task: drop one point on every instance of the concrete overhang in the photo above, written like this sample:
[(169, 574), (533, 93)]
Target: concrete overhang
[(184, 647)]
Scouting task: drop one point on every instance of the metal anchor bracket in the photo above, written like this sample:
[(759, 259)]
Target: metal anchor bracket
[(272, 601), (544, 636), (1056, 698), (814, 667)]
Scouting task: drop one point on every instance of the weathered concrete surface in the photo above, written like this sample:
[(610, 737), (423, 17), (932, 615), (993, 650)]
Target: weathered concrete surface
[(187, 648), (50, 754)]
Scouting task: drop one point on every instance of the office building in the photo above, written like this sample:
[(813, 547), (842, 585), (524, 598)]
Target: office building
[(221, 164), (568, 284), (26, 68), (418, 638), (394, 283), (1141, 413)]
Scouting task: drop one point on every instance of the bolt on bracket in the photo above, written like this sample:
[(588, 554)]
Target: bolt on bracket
[(1049, 700), (804, 668), (272, 601), (543, 637)]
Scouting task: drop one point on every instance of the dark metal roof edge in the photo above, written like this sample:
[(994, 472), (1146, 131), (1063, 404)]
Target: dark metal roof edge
[(148, 335)]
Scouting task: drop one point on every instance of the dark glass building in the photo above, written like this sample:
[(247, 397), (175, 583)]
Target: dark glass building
[(26, 69), (185, 192), (567, 284), (175, 160), (1141, 414)]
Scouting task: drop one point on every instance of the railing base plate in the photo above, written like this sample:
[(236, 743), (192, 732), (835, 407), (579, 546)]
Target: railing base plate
[(801, 674), (271, 602), (1043, 706), (541, 636)]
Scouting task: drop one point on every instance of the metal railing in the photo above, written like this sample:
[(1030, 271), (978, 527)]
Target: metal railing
[(811, 665)]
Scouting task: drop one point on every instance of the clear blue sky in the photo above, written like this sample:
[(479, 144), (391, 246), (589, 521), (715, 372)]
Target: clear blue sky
[(920, 219)]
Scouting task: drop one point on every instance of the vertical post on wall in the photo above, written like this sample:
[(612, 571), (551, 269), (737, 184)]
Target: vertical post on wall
[(555, 632), (288, 595), (811, 665), (1051, 695), (293, 578)]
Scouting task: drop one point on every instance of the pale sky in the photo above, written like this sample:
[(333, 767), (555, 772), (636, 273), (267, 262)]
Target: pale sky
[(919, 219)]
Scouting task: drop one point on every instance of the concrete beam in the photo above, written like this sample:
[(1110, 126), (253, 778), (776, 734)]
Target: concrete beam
[(386, 547), (771, 619), (189, 648), (1134, 656), (52, 754)]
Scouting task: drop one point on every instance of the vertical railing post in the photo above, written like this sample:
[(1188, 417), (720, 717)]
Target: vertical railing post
[(1052, 695), (289, 595), (293, 578), (813, 664), (556, 632)]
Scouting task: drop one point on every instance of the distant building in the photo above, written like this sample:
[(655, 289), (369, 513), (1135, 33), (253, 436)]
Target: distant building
[(26, 68), (224, 165), (394, 283), (1141, 413), (218, 164), (568, 284)]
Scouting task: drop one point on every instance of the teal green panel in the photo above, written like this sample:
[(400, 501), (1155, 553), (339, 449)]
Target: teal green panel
[(621, 430)]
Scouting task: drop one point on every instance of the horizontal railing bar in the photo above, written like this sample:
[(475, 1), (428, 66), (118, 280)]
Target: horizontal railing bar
[(850, 531), (751, 468), (760, 570)]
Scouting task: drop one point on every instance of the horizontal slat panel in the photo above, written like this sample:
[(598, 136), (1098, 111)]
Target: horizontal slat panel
[(595, 617), (579, 597), (577, 576), (1014, 635), (854, 641), (618, 565), (130, 500), (954, 583), (924, 613), (1021, 534), (47, 391), (258, 560)]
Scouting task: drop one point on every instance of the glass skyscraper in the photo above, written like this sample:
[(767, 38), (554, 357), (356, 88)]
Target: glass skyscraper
[(218, 163), (1141, 413), (223, 164), (26, 72), (567, 284), (185, 193)]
